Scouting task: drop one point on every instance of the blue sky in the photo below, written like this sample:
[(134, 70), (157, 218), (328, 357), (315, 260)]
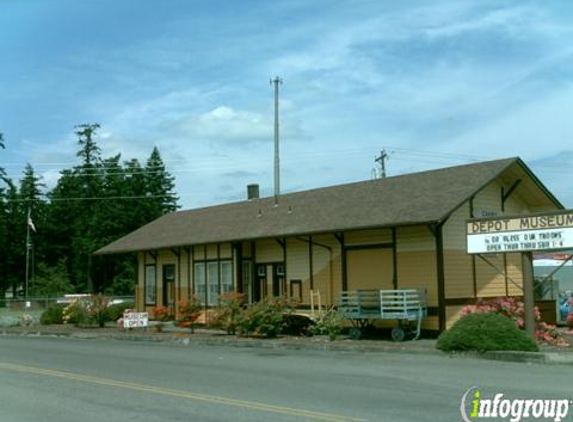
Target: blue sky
[(434, 83)]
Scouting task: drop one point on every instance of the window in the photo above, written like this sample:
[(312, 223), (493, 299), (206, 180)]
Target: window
[(169, 273), (226, 276), (200, 281), (213, 282), (150, 285), (213, 278)]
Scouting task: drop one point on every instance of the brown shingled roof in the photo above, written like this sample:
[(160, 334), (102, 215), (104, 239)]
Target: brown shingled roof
[(410, 199)]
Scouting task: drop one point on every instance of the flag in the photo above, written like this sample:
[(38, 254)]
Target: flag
[(31, 224)]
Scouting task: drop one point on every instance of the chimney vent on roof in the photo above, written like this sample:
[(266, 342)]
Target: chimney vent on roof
[(252, 192)]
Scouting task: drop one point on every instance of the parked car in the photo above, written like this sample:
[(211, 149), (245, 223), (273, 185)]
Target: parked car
[(565, 307)]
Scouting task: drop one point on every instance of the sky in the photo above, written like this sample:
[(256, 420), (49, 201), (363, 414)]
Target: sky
[(433, 83)]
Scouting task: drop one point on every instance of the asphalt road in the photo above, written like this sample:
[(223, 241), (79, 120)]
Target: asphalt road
[(61, 380)]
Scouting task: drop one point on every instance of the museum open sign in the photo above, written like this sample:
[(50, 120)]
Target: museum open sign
[(520, 234)]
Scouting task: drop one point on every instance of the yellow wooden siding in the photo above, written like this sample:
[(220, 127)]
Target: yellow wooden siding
[(367, 237), (416, 259), (225, 251), (297, 260), (415, 238), (139, 298), (418, 270), (431, 323), (453, 314), (454, 230), (268, 251), (488, 199), (515, 276), (514, 205), (328, 266), (212, 252), (458, 274), (369, 269), (183, 273), (199, 253), (325, 270), (490, 283), (139, 288)]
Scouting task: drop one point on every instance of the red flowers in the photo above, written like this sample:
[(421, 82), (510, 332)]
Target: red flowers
[(513, 309)]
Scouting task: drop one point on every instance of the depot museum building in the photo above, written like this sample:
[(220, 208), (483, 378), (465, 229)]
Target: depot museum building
[(406, 231)]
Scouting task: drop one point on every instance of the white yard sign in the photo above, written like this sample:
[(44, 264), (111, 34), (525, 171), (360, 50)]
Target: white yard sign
[(135, 319), (521, 234)]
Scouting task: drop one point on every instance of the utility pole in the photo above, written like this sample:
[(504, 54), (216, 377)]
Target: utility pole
[(276, 82), (382, 161), (28, 219)]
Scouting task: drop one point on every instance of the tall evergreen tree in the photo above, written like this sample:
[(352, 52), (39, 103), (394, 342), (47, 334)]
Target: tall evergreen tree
[(93, 203), (160, 185), (30, 201)]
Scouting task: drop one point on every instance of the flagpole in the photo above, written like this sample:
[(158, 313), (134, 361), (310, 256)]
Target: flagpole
[(27, 257)]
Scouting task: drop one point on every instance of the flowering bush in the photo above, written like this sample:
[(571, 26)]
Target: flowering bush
[(265, 318), (231, 305), (87, 310), (512, 308), (188, 312), (76, 312), (161, 313), (97, 310)]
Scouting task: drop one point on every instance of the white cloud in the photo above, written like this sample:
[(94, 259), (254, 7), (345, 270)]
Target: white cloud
[(225, 124)]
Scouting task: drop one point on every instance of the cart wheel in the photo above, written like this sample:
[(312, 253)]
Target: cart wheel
[(398, 334), (355, 333)]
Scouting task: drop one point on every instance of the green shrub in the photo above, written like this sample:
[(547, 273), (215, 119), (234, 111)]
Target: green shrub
[(115, 311), (228, 314), (265, 318), (53, 314), (484, 332), (330, 323)]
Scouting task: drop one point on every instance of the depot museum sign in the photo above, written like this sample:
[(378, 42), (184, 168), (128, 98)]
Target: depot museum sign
[(520, 234)]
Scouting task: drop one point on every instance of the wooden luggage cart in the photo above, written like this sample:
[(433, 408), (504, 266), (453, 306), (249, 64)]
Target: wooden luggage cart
[(406, 306)]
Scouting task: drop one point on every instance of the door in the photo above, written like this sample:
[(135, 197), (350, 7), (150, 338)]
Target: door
[(169, 286), (279, 285), (271, 281), (260, 285)]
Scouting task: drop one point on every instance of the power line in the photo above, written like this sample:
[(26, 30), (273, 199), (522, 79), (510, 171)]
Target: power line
[(98, 198)]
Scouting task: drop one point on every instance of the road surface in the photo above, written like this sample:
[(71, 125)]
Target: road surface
[(71, 380)]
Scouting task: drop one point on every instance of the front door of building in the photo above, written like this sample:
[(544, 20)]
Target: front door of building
[(169, 286), (270, 281)]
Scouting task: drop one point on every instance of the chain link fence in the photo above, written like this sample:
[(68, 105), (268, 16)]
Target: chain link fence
[(12, 310)]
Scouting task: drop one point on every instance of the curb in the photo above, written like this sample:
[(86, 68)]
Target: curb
[(265, 343), (551, 358), (189, 340)]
